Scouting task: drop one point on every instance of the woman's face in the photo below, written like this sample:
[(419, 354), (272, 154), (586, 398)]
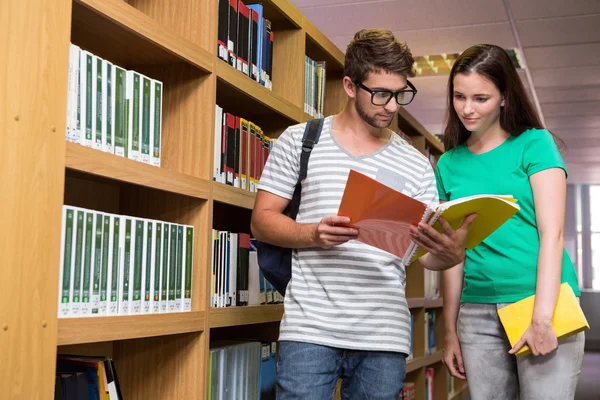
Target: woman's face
[(477, 101)]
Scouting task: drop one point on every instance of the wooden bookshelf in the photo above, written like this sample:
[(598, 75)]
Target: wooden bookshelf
[(248, 315), (104, 329), (174, 42)]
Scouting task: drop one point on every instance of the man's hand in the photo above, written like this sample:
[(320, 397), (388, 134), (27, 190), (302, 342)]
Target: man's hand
[(447, 248), (540, 337), (329, 233)]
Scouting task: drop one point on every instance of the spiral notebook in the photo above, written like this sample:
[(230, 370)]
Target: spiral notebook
[(383, 215)]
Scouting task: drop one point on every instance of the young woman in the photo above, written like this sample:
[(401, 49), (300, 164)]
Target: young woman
[(496, 145)]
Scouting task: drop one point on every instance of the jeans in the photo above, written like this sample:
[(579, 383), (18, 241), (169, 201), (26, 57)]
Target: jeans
[(310, 372), (492, 373)]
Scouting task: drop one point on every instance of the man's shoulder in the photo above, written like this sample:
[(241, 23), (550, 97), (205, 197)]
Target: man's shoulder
[(408, 149)]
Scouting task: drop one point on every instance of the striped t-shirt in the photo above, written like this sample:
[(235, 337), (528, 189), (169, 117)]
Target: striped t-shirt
[(351, 296)]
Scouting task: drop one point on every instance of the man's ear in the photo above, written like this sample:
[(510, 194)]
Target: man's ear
[(503, 102), (349, 87)]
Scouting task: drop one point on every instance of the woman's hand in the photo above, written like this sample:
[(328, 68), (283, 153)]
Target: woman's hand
[(453, 356), (540, 337)]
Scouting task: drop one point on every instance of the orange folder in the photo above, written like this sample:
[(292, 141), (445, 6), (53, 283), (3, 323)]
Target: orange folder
[(381, 214)]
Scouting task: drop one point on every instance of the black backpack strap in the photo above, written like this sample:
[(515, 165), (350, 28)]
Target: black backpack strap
[(312, 132)]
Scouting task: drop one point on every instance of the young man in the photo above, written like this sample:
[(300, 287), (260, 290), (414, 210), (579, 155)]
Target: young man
[(345, 308)]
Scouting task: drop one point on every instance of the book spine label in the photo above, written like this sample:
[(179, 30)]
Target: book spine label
[(148, 267), (120, 120), (189, 262), (156, 267), (172, 268), (145, 120), (109, 108), (157, 122), (125, 269), (86, 308), (164, 279), (66, 261), (97, 103), (135, 306), (106, 264), (116, 265), (97, 266)]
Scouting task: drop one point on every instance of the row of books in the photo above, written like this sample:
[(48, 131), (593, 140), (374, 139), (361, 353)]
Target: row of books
[(314, 87), (86, 378), (112, 109), (245, 40), (242, 370), (430, 333), (119, 265), (241, 150), (236, 279)]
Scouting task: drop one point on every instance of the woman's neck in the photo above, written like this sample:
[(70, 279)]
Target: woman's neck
[(482, 141)]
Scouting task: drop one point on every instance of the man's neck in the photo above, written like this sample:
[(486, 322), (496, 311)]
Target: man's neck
[(348, 121)]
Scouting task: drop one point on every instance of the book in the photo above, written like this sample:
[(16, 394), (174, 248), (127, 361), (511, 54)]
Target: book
[(383, 215), (568, 318)]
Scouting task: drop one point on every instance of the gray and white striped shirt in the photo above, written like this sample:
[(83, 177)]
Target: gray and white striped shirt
[(351, 296)]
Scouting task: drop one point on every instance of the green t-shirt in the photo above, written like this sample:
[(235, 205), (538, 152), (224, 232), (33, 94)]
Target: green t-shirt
[(503, 268)]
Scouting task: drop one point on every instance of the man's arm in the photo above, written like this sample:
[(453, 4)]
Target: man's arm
[(269, 225)]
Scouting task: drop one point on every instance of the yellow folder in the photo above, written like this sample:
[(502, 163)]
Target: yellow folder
[(568, 318)]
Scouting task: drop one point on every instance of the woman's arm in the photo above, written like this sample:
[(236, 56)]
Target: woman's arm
[(452, 289), (549, 194)]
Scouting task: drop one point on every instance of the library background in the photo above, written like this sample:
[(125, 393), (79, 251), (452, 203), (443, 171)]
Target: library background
[(129, 219)]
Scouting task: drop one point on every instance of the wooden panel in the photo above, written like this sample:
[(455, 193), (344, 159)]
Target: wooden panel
[(288, 66), (114, 30), (418, 378), (94, 195), (233, 196), (193, 20), (33, 104), (239, 94), (188, 118), (247, 315), (415, 281), (98, 163), (434, 303), (418, 333), (88, 349), (166, 367), (281, 13), (420, 362), (329, 50), (102, 329)]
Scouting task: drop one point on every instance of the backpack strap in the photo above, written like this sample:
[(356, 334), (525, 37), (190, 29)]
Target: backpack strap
[(312, 132)]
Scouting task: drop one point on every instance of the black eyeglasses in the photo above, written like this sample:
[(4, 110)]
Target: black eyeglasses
[(381, 97)]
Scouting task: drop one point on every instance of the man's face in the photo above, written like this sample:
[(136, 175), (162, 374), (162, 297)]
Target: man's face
[(378, 116)]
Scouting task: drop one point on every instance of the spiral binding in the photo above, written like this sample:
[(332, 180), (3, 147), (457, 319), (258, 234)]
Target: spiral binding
[(412, 249)]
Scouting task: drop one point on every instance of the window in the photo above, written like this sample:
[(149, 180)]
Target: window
[(595, 235)]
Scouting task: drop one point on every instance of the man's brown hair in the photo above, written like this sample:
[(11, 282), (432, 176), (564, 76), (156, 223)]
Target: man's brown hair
[(377, 50)]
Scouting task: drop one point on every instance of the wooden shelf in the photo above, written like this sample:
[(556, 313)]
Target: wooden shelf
[(412, 127), (104, 329), (233, 196), (110, 166), (460, 393), (239, 94), (247, 315), (434, 303), (115, 30), (421, 362), (281, 13), (320, 47)]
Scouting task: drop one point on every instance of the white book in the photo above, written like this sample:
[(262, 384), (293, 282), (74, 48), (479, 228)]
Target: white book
[(233, 267), (147, 276), (76, 271), (116, 255), (133, 96), (137, 267), (121, 109), (72, 96), (188, 268), (145, 95), (106, 264), (164, 277), (179, 271), (253, 279), (97, 103), (108, 108), (217, 146), (88, 263), (96, 270), (157, 102), (125, 264), (171, 303), (67, 245), (85, 105), (156, 267)]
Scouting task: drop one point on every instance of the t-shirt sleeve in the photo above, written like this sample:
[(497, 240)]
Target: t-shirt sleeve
[(428, 193), (541, 153), (439, 178), (280, 174)]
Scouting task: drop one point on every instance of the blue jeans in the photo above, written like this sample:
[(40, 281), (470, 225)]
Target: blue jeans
[(310, 372)]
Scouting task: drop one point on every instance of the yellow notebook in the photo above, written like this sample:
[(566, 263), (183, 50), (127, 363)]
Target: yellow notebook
[(492, 211), (568, 317)]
